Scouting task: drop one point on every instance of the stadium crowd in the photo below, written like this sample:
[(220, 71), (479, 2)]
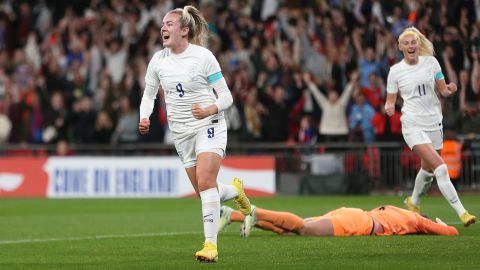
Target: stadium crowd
[(299, 71)]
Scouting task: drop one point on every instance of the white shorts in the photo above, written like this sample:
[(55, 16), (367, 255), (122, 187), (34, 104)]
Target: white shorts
[(416, 137), (211, 138)]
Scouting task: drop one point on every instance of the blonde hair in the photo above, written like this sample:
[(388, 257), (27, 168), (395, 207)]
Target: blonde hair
[(198, 26), (426, 46)]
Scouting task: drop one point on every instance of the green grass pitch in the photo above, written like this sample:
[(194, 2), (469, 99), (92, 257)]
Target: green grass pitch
[(165, 233)]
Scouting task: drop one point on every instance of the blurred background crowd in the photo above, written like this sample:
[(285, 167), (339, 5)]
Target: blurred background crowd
[(299, 71)]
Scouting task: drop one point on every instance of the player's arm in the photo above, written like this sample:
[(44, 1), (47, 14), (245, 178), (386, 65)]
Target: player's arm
[(426, 226), (224, 100), (390, 103), (317, 94), (445, 89), (146, 108), (152, 83), (392, 92), (218, 84)]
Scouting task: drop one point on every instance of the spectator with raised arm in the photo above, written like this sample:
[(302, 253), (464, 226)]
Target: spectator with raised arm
[(367, 58), (333, 124)]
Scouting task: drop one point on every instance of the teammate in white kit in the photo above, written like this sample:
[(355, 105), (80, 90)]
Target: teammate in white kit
[(415, 78), (195, 96)]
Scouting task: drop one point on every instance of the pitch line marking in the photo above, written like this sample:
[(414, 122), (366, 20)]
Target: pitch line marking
[(110, 236), (95, 237)]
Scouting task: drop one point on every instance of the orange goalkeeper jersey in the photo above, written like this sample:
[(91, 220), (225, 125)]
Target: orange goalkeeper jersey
[(393, 220), (397, 221)]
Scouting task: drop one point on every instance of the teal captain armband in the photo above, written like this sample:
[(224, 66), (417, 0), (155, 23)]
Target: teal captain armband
[(215, 77), (439, 76)]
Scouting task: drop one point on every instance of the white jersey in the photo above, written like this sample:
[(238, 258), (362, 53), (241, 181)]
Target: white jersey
[(185, 79), (416, 83)]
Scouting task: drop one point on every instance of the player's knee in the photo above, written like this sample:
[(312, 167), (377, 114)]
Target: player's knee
[(205, 184), (441, 171), (210, 196)]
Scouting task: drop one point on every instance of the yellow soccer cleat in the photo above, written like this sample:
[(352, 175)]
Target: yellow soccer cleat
[(468, 219), (410, 205), (242, 202), (208, 253), (224, 221)]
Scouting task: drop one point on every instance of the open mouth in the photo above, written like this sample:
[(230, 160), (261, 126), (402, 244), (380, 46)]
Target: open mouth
[(411, 52), (166, 37)]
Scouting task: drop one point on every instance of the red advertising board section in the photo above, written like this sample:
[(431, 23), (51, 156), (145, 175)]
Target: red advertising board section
[(32, 176), (23, 177)]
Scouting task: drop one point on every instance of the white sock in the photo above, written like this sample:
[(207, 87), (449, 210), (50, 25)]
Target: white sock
[(423, 181), (226, 192), (211, 214), (447, 188)]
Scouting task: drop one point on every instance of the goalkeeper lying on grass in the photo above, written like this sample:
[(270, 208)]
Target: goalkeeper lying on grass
[(383, 220)]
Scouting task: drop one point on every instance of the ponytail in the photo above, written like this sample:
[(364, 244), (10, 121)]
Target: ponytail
[(426, 46), (198, 26)]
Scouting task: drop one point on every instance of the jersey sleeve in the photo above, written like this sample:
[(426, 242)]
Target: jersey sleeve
[(152, 82), (392, 82), (437, 70), (151, 77), (212, 68)]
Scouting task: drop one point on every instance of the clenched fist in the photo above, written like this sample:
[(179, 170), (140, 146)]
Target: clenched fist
[(452, 88), (389, 109), (144, 126), (200, 113)]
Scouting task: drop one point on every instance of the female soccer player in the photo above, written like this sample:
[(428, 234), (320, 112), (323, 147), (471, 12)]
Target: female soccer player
[(344, 221), (196, 95), (415, 78)]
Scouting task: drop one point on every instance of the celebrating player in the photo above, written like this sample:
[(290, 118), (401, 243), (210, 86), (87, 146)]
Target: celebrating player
[(196, 95), (415, 78)]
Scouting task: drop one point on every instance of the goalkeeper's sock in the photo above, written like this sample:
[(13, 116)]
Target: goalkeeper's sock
[(268, 226), (284, 220), (236, 216)]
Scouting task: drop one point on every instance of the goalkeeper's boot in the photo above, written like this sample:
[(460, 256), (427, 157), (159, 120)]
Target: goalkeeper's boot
[(208, 253), (410, 205), (224, 221), (467, 219), (242, 202), (248, 223)]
